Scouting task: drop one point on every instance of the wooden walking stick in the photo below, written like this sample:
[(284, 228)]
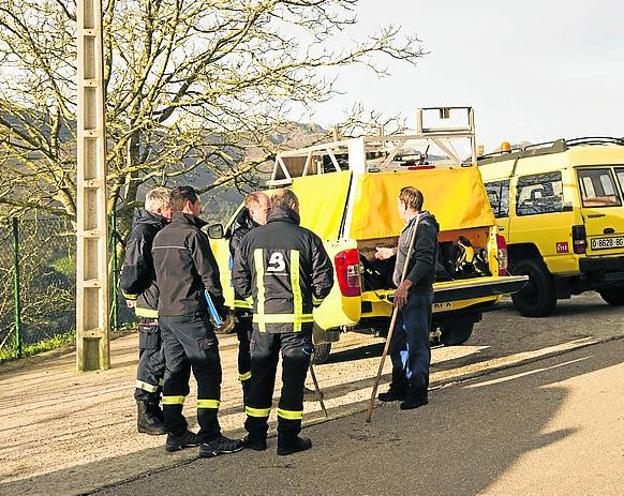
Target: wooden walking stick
[(395, 314), (319, 393)]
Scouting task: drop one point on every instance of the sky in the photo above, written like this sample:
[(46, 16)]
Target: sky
[(533, 70)]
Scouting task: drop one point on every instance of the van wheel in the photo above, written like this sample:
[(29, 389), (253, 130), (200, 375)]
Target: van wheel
[(321, 353), (539, 297), (456, 334), (613, 296)]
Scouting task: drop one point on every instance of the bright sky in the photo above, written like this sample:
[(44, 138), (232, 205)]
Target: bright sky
[(533, 70)]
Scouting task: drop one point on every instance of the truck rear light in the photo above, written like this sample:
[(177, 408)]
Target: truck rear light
[(348, 272), (579, 239), (501, 255)]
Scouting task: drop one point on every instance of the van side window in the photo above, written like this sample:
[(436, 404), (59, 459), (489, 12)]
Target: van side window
[(598, 188), (498, 194), (620, 175), (539, 194)]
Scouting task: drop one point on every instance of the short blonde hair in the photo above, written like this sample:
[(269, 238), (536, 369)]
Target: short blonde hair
[(253, 199), (158, 198), (284, 198)]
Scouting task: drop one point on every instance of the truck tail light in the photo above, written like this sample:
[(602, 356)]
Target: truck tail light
[(348, 272), (503, 259), (579, 239)]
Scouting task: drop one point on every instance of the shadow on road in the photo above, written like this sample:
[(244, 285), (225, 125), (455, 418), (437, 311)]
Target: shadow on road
[(460, 444)]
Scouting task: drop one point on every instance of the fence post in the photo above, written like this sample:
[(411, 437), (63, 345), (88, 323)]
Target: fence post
[(115, 281), (17, 303)]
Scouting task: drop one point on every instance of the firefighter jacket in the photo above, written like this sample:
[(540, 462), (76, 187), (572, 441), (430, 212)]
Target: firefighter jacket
[(242, 225), (185, 267), (286, 271), (421, 267), (138, 280)]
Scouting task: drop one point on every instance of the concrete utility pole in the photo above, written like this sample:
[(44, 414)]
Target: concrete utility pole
[(92, 320)]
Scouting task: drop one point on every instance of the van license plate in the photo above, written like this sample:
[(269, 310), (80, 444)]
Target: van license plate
[(606, 243)]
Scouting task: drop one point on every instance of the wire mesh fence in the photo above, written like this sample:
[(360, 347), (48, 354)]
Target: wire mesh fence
[(42, 251)]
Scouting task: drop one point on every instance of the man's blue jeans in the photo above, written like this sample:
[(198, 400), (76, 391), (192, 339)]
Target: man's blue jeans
[(409, 348)]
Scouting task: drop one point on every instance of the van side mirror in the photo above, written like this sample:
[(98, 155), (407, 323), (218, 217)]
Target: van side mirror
[(216, 231)]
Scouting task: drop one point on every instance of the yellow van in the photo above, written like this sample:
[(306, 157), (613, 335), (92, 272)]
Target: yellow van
[(347, 191), (559, 205)]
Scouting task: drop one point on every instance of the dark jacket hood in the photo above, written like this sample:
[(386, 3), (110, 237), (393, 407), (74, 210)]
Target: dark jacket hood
[(184, 218), (143, 216), (243, 220), (283, 214)]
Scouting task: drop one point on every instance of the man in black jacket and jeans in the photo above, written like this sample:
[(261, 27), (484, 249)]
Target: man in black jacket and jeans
[(138, 286), (255, 213), (286, 270), (185, 269), (409, 349)]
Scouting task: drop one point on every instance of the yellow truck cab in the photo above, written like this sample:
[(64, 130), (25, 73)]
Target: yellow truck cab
[(559, 205), (348, 190)]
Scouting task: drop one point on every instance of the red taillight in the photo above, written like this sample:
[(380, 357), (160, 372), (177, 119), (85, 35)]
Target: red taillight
[(579, 239), (501, 246), (348, 272)]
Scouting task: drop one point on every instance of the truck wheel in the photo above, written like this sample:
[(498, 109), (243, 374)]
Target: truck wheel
[(613, 296), (321, 353), (456, 334), (539, 297)]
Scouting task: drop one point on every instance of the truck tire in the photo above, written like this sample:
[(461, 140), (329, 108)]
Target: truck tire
[(613, 296), (456, 334), (539, 297), (321, 353)]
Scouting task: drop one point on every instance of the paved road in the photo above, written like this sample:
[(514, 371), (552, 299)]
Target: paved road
[(62, 433), (553, 427)]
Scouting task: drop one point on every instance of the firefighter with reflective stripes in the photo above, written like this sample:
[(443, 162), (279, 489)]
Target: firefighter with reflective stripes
[(138, 285), (254, 214), (187, 274), (286, 271)]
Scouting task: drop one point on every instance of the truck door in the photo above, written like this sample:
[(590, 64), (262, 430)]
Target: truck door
[(601, 207)]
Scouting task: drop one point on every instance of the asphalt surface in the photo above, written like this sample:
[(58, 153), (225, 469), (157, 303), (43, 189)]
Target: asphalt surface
[(552, 427)]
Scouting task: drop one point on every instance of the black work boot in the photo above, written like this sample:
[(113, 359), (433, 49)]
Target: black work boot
[(186, 440), (220, 446), (148, 421), (255, 443), (415, 398), (393, 394), (290, 445)]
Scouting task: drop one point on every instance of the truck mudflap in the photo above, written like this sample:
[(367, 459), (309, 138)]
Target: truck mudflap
[(470, 289)]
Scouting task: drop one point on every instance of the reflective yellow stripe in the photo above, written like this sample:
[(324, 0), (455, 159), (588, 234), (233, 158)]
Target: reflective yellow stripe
[(173, 400), (259, 266), (146, 312), (146, 386), (244, 377), (296, 290), (129, 296), (290, 414), (283, 318), (257, 412), (243, 304), (208, 403), (317, 301)]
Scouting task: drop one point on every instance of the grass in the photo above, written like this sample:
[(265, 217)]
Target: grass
[(53, 343)]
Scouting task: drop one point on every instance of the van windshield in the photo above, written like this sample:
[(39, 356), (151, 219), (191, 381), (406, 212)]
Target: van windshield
[(598, 188)]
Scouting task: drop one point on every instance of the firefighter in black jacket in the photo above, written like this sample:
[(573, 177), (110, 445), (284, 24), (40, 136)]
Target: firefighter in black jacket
[(286, 270), (185, 270), (254, 214), (138, 286)]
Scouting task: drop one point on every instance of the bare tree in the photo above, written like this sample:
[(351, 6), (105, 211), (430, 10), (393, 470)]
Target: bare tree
[(190, 83)]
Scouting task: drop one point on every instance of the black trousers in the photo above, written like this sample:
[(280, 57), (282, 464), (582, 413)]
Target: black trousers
[(151, 368), (191, 344), (243, 332), (296, 349)]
